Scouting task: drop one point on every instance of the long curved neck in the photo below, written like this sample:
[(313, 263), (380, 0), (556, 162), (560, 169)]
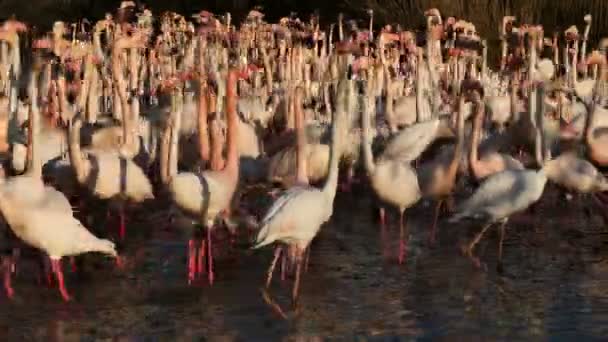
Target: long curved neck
[(329, 188), (94, 96), (121, 89), (476, 134), (368, 156), (175, 128), (76, 159), (301, 160), (217, 161), (232, 155), (97, 45), (203, 129), (418, 85), (539, 138), (453, 167), (35, 164), (267, 70), (165, 153)]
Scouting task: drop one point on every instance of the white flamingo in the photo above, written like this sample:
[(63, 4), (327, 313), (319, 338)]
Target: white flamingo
[(209, 194), (284, 222), (502, 195)]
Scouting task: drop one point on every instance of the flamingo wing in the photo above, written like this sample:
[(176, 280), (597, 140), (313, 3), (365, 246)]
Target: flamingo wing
[(411, 142)]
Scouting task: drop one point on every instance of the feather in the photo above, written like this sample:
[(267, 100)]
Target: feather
[(408, 144)]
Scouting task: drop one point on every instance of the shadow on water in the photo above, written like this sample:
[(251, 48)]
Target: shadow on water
[(553, 285)]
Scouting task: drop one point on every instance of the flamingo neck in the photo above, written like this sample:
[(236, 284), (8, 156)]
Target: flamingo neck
[(368, 155), (203, 131), (301, 143), (232, 157), (216, 159), (476, 135), (453, 167)]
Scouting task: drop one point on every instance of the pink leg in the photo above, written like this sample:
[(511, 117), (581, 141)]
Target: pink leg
[(191, 261), (108, 218), (306, 259), (7, 265), (15, 257), (402, 239), (201, 259), (283, 266), (434, 226), (296, 285), (73, 263), (120, 263), (123, 228), (56, 265), (382, 217), (209, 256), (277, 254), (47, 271)]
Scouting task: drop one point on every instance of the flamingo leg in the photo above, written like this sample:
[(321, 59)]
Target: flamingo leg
[(402, 238), (500, 244), (432, 238), (601, 205), (296, 284), (56, 265), (191, 261), (201, 259), (210, 257), (468, 250), (277, 254), (283, 266), (7, 265), (123, 228), (47, 271), (15, 257), (307, 256), (449, 205), (73, 264), (382, 217)]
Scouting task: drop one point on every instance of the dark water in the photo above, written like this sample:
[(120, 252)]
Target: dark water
[(554, 286)]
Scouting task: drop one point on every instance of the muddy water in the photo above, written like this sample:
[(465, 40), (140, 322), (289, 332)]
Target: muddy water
[(554, 285)]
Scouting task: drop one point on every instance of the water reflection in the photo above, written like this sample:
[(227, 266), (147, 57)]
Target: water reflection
[(553, 285)]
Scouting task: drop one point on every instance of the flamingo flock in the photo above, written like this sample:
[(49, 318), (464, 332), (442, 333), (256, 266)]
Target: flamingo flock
[(139, 109)]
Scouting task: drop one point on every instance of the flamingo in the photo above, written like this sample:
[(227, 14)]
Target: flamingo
[(393, 179), (437, 177), (209, 194), (56, 233), (503, 194), (284, 223), (490, 162)]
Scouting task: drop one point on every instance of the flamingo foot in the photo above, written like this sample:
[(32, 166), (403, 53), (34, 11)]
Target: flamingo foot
[(56, 266), (467, 251), (432, 239)]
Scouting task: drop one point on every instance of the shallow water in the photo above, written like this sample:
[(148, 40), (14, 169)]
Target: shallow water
[(554, 285)]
